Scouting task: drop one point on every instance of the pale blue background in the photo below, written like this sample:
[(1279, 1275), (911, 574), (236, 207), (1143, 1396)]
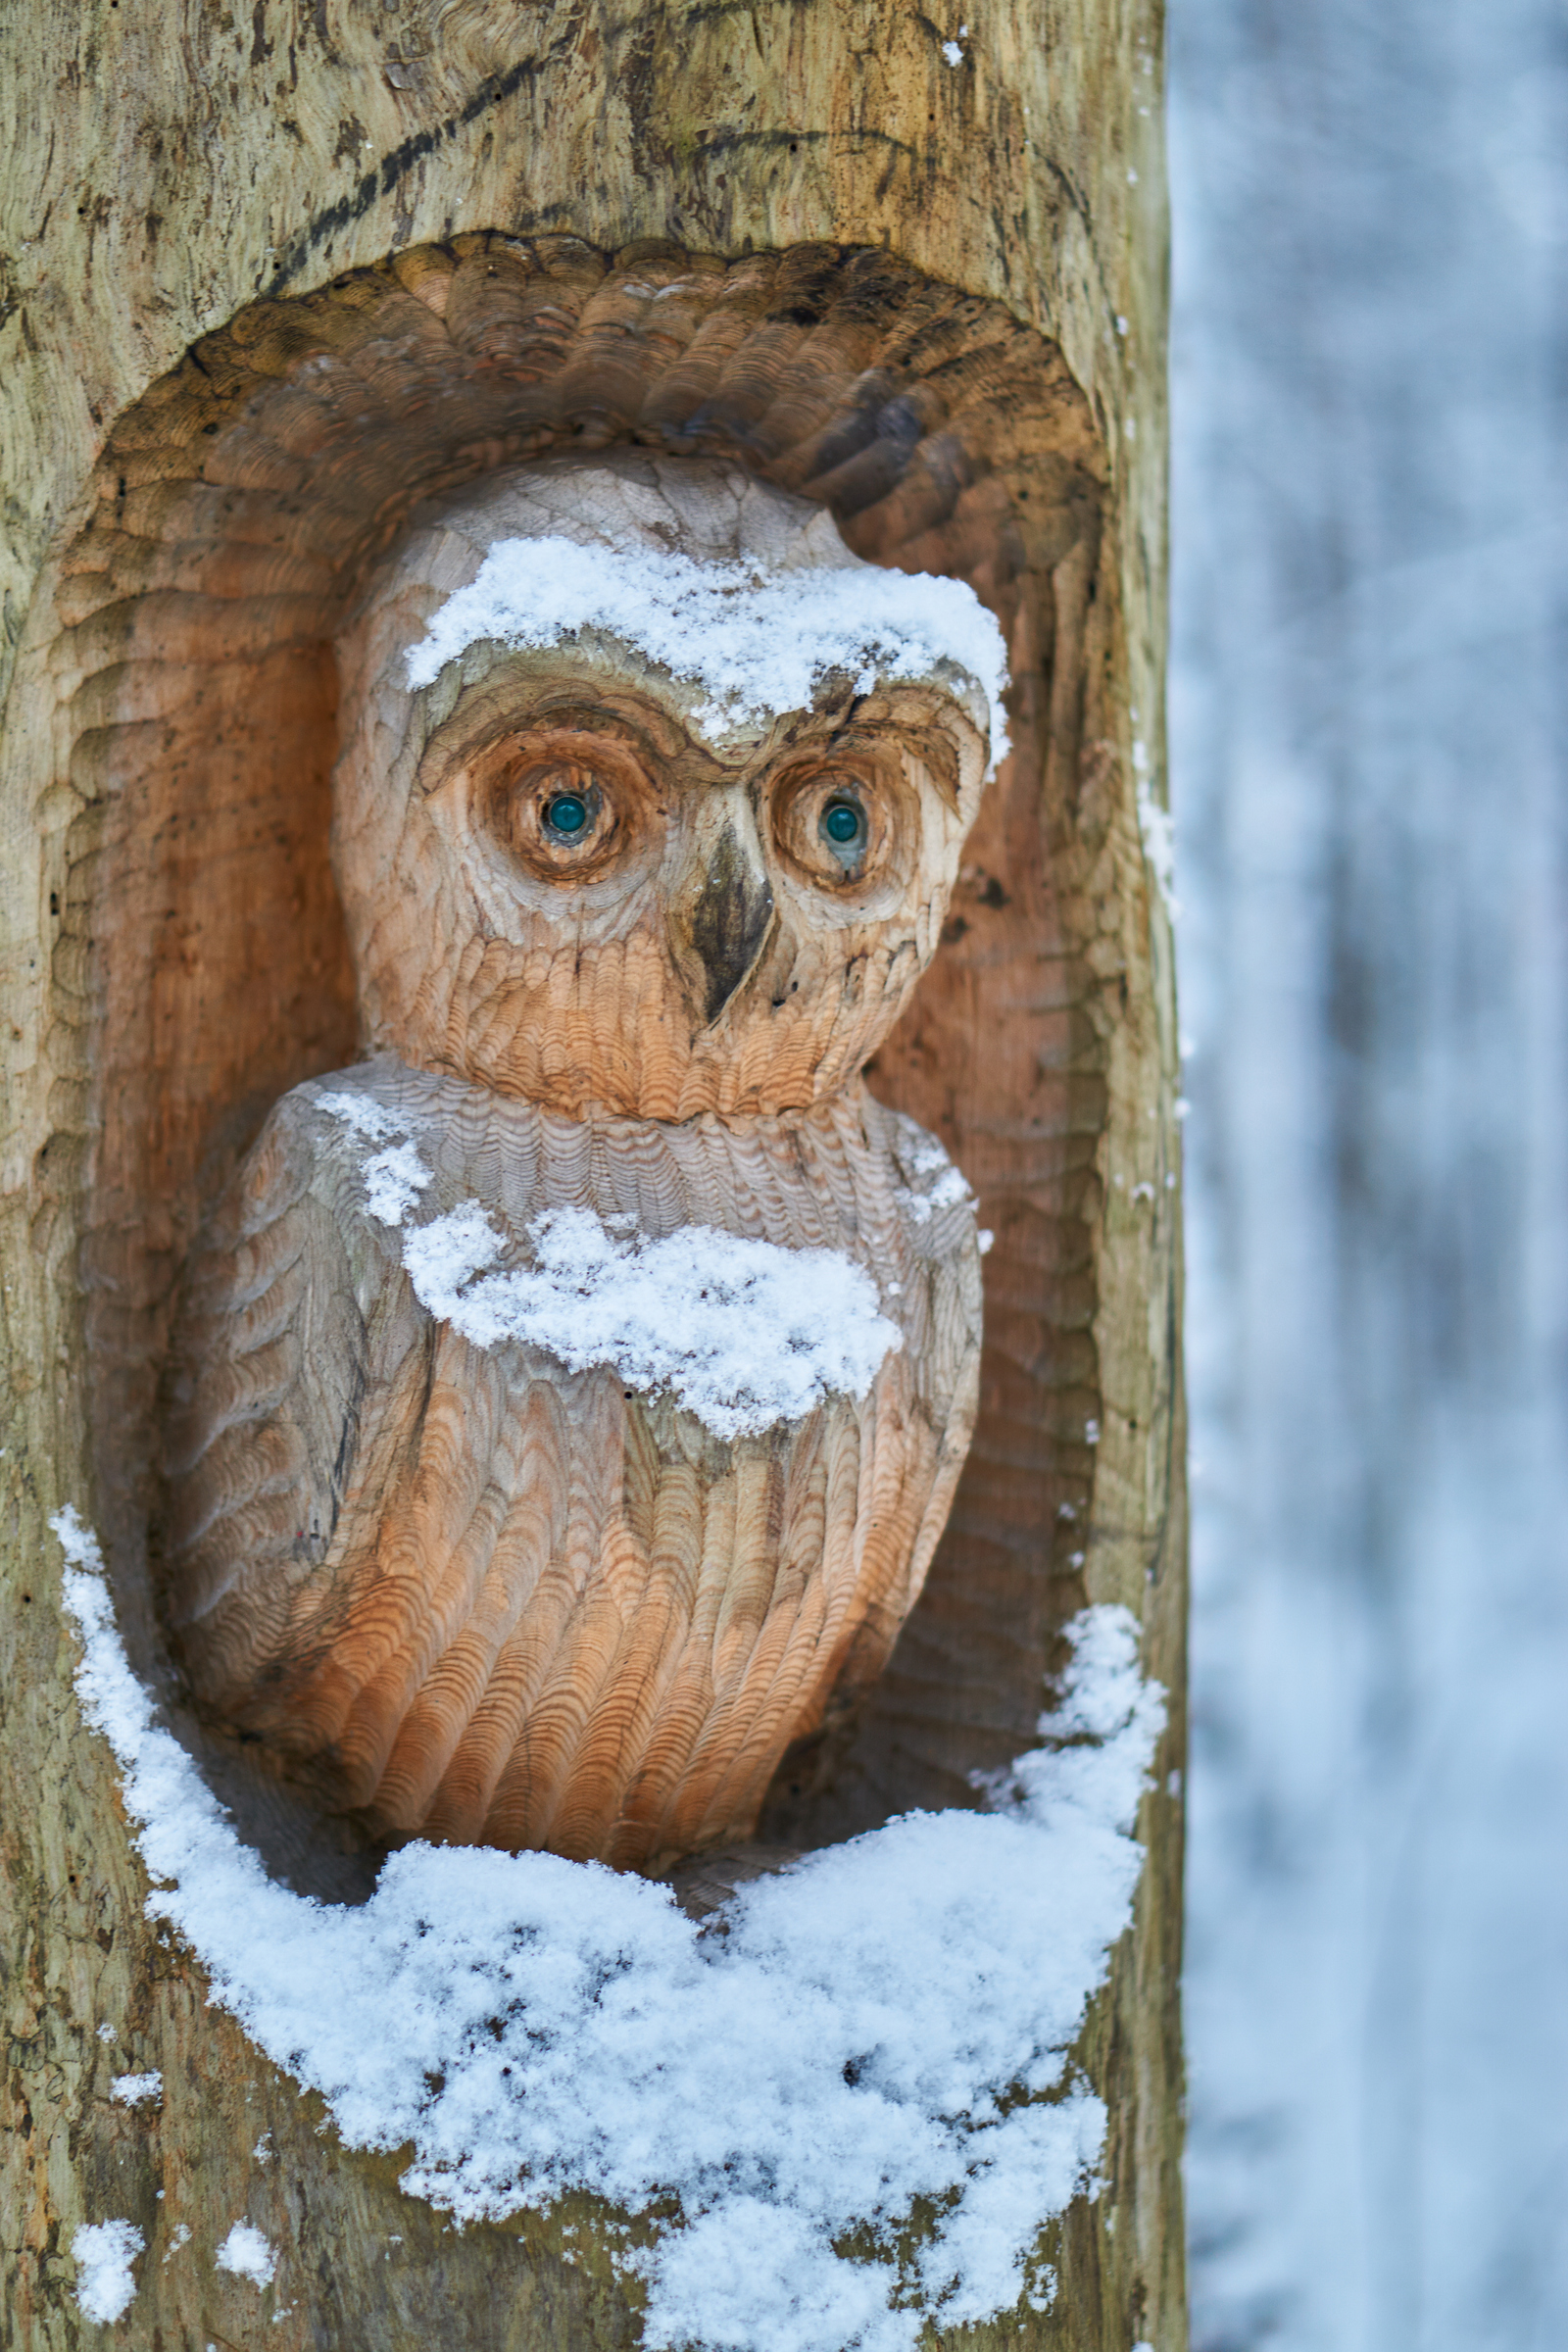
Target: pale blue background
[(1371, 232)]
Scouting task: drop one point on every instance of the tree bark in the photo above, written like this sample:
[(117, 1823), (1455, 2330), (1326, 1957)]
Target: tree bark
[(934, 247)]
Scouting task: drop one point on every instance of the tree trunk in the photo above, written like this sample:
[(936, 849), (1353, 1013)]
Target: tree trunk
[(267, 274)]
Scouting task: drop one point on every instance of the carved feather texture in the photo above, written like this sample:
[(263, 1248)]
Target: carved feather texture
[(463, 1592)]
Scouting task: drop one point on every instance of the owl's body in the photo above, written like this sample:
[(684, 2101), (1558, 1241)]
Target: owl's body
[(460, 1591), (622, 950)]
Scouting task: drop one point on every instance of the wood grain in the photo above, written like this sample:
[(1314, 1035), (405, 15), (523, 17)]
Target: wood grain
[(572, 976), (456, 1591), (174, 957), (459, 1593)]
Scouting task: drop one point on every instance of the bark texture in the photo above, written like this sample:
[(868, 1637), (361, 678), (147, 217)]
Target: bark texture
[(268, 274)]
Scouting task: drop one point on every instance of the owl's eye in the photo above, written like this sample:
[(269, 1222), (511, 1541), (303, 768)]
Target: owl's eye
[(571, 800), (843, 825), (568, 808), (573, 806), (566, 813), (838, 820)]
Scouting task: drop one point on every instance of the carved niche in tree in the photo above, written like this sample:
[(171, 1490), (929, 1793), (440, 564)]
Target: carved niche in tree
[(565, 1401)]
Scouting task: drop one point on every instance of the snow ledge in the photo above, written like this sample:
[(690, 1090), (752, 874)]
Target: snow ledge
[(891, 2019)]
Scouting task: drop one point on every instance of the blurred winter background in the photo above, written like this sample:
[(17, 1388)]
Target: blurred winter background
[(1369, 705)]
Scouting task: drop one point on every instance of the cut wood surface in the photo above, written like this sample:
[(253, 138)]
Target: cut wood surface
[(698, 948), (430, 1576), (269, 280), (455, 1590)]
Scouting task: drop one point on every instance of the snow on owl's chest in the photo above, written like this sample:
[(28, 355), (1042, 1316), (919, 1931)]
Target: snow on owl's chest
[(634, 1454)]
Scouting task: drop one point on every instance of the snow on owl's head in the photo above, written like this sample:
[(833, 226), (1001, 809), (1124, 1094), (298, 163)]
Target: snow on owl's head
[(651, 795)]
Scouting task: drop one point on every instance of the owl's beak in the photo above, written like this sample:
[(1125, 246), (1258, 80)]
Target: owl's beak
[(722, 917)]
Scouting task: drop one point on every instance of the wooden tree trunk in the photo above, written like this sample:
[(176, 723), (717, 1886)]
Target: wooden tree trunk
[(936, 246)]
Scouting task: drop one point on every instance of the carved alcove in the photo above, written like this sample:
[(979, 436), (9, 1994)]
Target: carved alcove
[(239, 506)]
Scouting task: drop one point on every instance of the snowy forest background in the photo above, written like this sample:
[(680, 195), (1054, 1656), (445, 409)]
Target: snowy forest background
[(1371, 230)]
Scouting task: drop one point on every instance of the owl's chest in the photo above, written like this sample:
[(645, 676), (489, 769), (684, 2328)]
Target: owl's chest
[(637, 1407), (726, 1283), (649, 1428)]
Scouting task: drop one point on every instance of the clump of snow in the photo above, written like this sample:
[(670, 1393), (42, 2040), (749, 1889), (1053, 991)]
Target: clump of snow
[(363, 1113), (758, 642), (246, 2252), (1158, 828), (103, 2252), (133, 2090), (888, 2022), (926, 1157), (741, 1333), (394, 1179)]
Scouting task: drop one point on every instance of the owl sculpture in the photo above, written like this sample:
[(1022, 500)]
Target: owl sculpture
[(565, 1401)]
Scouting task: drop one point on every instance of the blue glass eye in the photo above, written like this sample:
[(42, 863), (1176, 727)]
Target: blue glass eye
[(842, 824), (566, 812)]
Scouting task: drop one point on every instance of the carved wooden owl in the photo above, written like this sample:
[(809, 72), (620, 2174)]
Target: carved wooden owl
[(566, 1400)]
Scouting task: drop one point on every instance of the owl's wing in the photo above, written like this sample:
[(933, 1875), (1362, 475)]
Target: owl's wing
[(273, 1364), (935, 1211)]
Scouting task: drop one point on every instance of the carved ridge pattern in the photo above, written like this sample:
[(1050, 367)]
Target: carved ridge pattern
[(542, 1609), (239, 505)]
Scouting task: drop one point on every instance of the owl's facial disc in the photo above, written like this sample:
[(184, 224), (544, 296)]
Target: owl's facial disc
[(673, 847)]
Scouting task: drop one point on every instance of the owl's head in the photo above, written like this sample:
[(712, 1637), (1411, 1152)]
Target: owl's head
[(651, 795)]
